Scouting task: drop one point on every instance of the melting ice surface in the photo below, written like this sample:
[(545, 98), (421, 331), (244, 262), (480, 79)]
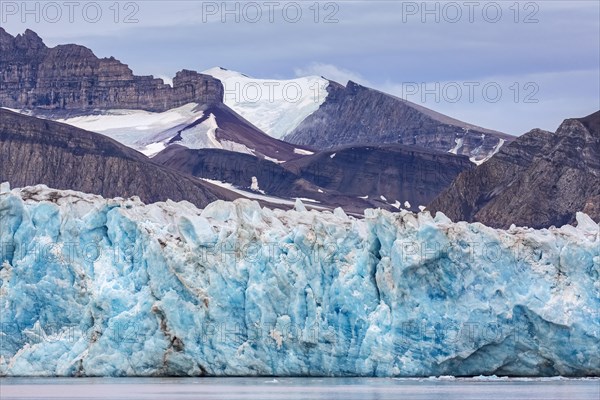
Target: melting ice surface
[(113, 287)]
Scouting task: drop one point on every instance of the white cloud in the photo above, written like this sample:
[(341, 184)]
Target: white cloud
[(166, 79), (331, 72)]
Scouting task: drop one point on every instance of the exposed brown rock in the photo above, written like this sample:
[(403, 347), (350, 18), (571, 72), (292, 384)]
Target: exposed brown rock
[(539, 180), (71, 77), (273, 179), (353, 178)]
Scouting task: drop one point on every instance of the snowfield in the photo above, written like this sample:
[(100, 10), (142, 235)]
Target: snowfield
[(112, 287), (276, 107), (151, 132), (135, 128)]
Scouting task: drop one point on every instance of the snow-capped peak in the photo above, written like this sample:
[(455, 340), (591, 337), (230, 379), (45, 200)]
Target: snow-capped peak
[(275, 106), (224, 73)]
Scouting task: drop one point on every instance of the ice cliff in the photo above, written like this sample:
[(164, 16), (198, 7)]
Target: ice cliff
[(113, 287)]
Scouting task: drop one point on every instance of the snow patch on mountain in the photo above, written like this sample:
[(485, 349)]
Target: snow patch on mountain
[(256, 196), (478, 156), (153, 149), (151, 132), (303, 152), (254, 186), (276, 107), (201, 136), (133, 127), (496, 150), (276, 161), (204, 136), (459, 144)]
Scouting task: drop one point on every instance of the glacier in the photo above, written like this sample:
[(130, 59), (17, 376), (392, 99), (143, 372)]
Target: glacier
[(113, 287)]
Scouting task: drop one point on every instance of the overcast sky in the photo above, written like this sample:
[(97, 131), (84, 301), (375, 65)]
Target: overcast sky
[(453, 57)]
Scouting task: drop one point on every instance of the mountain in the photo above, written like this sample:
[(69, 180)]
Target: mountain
[(224, 126), (70, 77), (540, 179), (354, 114), (275, 106), (354, 178), (219, 127), (195, 126), (391, 174), (35, 151), (67, 82)]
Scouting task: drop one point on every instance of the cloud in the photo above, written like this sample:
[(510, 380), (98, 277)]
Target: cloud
[(331, 72), (166, 79)]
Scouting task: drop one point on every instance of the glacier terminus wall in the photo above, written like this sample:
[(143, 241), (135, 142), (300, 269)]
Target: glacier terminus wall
[(112, 287)]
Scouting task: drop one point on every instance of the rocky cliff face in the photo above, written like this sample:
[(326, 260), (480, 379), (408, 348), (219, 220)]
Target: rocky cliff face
[(71, 77), (539, 180), (355, 114), (35, 151)]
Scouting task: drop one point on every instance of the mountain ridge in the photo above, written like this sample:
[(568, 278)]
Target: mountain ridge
[(357, 115), (69, 80), (540, 179)]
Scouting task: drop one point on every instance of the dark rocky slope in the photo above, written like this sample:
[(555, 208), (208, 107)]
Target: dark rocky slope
[(231, 167), (354, 178), (35, 151), (71, 77), (355, 114), (539, 180), (396, 172), (274, 180)]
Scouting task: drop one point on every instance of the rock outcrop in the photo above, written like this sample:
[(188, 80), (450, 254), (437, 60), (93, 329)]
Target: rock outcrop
[(71, 77), (539, 180), (355, 114)]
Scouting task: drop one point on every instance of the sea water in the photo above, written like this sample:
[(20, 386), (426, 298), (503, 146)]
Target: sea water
[(300, 388)]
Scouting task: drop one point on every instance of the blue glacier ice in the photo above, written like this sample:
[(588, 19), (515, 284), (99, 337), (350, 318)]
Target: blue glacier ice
[(112, 287)]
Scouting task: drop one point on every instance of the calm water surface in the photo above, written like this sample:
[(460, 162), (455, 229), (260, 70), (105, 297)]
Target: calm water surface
[(298, 388)]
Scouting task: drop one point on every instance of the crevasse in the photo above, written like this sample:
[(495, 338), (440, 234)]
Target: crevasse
[(113, 287)]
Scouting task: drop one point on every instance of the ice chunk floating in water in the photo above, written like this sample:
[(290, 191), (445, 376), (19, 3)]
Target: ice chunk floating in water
[(91, 286)]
